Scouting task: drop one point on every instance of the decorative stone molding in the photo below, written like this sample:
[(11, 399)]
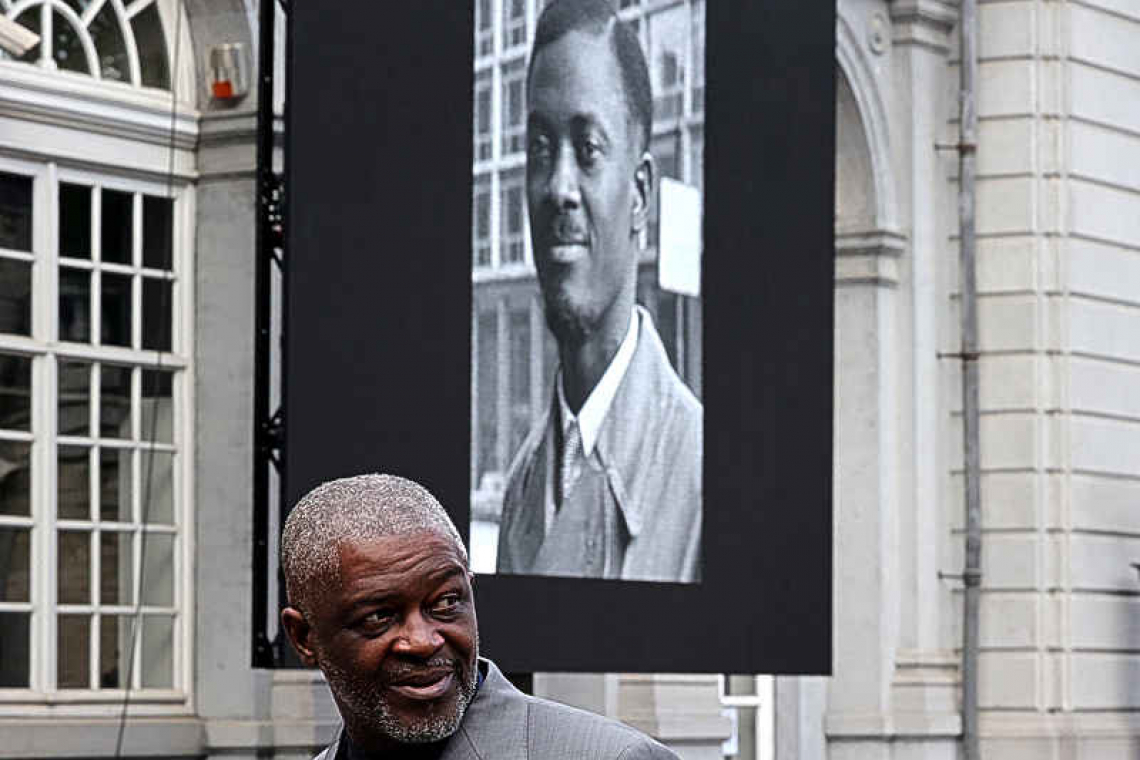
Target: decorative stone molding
[(924, 23), (868, 258)]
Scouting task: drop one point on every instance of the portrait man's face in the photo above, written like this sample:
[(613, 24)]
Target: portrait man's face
[(396, 638), (588, 181)]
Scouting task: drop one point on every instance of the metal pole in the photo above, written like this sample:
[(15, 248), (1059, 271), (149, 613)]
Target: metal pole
[(972, 573), (262, 654)]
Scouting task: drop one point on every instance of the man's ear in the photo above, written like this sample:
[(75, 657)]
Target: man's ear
[(644, 180), (300, 634)]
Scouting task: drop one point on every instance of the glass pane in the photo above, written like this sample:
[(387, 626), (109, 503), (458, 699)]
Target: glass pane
[(73, 483), (114, 643), (15, 393), (67, 50), (158, 652), (158, 569), (157, 402), (157, 313), (151, 44), (30, 19), (73, 664), (74, 567), (109, 46), (115, 485), (74, 305), (15, 564), (116, 309), (15, 653), (15, 212), (74, 221), (116, 231), (156, 475), (158, 232), (114, 401), (15, 478), (74, 410), (15, 296), (115, 568)]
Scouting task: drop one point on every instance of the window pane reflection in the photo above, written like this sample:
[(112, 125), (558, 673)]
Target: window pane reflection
[(74, 305), (15, 564), (116, 309), (73, 413), (157, 399), (158, 652), (73, 664), (15, 296), (15, 651), (115, 485), (66, 49), (114, 642), (16, 485), (156, 476), (73, 483), (158, 569), (114, 401), (158, 304), (158, 232), (15, 212), (151, 45), (15, 392), (117, 227), (74, 567), (115, 567), (74, 221), (109, 46)]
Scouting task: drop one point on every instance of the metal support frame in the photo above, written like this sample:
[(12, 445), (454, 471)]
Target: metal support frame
[(269, 424)]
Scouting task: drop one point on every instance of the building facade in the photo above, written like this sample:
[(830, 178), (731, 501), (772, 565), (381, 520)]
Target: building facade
[(127, 207)]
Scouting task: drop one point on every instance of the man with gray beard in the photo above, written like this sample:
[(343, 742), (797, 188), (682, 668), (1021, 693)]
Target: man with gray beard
[(380, 599)]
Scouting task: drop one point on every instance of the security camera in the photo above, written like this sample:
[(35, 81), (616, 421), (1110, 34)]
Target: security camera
[(15, 39)]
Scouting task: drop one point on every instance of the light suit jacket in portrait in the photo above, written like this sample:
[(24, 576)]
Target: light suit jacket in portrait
[(502, 723), (642, 484)]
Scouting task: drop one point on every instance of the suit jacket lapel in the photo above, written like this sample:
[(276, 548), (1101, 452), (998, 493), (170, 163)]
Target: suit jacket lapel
[(495, 724)]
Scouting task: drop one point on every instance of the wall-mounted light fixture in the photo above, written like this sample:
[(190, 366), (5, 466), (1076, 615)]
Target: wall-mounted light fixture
[(229, 79)]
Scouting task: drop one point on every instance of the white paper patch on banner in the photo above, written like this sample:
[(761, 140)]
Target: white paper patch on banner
[(679, 238)]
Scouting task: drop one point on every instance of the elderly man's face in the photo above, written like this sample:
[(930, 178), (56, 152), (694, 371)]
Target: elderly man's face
[(587, 182), (397, 639)]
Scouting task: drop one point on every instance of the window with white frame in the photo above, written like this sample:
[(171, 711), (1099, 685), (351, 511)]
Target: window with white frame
[(481, 222), (484, 28), (115, 40), (514, 107), (514, 23), (512, 231), (93, 373), (482, 116)]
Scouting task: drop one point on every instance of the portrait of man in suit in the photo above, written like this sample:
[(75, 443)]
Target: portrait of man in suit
[(607, 483)]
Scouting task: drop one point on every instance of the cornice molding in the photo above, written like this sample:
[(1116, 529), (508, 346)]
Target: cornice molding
[(924, 23), (88, 105), (868, 258)]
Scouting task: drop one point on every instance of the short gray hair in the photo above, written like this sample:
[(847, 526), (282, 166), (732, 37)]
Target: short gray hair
[(351, 509)]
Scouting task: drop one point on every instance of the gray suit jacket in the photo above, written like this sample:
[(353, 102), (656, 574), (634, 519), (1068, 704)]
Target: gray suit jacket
[(502, 723)]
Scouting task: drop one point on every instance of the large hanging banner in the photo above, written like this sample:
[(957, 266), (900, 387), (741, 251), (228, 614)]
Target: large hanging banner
[(573, 272)]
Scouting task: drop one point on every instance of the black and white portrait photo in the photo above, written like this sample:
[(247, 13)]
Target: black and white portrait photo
[(587, 448)]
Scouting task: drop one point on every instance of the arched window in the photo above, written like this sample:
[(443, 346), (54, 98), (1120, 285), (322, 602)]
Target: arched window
[(114, 40), (97, 180)]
